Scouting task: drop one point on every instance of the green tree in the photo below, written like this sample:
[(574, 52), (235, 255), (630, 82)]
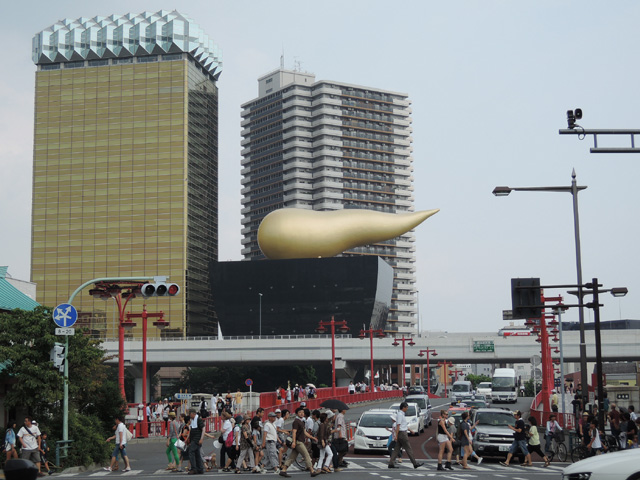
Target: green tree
[(477, 379), (35, 388)]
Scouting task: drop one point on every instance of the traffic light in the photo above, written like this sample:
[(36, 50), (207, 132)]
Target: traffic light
[(159, 289), (57, 356), (526, 299)]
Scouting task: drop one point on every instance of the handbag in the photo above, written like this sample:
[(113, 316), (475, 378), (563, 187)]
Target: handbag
[(180, 445), (229, 441)]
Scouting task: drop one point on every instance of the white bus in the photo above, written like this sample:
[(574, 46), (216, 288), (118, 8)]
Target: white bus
[(504, 385)]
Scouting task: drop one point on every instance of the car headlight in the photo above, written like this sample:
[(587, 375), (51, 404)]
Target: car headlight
[(577, 476), (482, 437), (360, 433)]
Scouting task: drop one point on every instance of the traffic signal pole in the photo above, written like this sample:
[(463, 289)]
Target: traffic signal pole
[(65, 407)]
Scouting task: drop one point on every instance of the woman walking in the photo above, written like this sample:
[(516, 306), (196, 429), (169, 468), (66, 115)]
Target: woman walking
[(465, 440), (324, 434), (445, 439), (233, 445), (227, 429), (10, 441), (172, 438), (246, 446), (534, 442)]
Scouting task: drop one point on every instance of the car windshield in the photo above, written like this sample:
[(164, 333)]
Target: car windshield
[(376, 420), (461, 388), (416, 389), (503, 381), (420, 401), (496, 419), (411, 411), (475, 403)]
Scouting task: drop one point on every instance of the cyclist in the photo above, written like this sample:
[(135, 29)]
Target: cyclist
[(553, 428)]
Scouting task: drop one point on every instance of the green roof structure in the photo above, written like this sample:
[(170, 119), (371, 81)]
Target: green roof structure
[(12, 298)]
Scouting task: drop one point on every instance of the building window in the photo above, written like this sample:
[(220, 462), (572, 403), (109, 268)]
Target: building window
[(53, 66), (98, 63), (152, 58), (122, 60), (74, 64), (269, 80)]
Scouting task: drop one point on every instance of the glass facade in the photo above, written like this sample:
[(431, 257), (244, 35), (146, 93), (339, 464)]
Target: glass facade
[(290, 297), (125, 184)]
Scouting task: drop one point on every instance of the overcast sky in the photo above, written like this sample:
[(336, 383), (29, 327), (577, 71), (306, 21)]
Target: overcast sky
[(490, 84)]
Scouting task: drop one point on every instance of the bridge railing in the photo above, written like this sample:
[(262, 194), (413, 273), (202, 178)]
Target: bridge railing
[(237, 337)]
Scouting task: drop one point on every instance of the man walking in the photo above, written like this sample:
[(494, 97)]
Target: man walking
[(121, 443), (30, 439), (196, 427), (298, 434), (269, 442), (519, 440), (402, 437)]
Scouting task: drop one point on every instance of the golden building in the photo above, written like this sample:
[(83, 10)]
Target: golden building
[(125, 164)]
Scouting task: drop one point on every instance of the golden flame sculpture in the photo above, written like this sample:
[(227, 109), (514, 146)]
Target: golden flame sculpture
[(300, 233)]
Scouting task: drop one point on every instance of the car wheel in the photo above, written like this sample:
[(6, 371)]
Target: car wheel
[(635, 476)]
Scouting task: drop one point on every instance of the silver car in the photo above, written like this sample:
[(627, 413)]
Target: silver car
[(424, 403), (493, 437)]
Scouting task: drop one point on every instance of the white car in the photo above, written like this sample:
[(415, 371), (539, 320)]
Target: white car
[(373, 430), (622, 465), (414, 418), (484, 388)]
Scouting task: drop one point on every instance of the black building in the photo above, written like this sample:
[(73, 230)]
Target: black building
[(281, 297)]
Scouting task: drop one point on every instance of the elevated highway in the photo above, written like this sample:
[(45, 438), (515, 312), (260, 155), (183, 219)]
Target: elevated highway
[(617, 345)]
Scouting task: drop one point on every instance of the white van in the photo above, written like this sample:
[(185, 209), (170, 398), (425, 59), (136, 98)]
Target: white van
[(461, 388)]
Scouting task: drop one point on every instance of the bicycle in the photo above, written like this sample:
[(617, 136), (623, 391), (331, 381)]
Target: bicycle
[(610, 443), (558, 448), (579, 452)]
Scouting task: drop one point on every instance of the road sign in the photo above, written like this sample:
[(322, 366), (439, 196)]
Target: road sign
[(183, 396), (248, 382), (65, 315), (65, 331), (483, 346)]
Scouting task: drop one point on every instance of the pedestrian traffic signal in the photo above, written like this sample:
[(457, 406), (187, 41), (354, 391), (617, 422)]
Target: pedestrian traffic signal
[(159, 289), (526, 298), (57, 356)]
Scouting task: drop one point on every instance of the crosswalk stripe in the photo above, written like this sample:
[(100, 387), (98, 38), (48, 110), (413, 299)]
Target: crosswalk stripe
[(355, 466), (67, 475), (100, 474), (162, 470), (379, 464)]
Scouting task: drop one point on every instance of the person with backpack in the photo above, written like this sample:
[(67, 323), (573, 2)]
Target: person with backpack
[(122, 436)]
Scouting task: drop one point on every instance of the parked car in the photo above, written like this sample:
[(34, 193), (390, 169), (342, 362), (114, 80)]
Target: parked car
[(484, 388), (414, 418), (621, 465), (373, 430), (493, 436), (424, 403)]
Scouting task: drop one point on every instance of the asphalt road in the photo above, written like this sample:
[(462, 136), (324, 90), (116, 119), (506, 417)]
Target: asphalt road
[(148, 459)]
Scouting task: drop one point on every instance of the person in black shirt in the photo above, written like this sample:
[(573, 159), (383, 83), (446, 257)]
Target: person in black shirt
[(196, 428), (519, 440)]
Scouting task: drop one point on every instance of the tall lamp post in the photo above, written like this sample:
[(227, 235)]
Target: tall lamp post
[(371, 332), (160, 323), (435, 354), (260, 313), (573, 189), (322, 328), (404, 362)]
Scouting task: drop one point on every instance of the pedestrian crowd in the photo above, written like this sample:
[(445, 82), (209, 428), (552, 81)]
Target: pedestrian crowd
[(31, 442)]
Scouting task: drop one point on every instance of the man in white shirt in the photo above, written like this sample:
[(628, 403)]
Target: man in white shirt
[(402, 437), (269, 442), (29, 436), (121, 443)]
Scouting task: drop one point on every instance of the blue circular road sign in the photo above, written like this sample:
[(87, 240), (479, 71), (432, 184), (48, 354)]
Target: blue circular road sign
[(248, 382), (65, 315)]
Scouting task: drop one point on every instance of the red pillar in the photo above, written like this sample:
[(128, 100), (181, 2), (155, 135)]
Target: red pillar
[(145, 425), (333, 357)]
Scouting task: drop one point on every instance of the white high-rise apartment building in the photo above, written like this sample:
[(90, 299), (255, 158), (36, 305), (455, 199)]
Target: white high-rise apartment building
[(327, 146)]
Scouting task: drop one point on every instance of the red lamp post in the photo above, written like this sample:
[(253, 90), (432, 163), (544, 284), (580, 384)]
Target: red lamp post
[(121, 292), (435, 354), (411, 344), (455, 373), (446, 374), (160, 323), (371, 332), (322, 328)]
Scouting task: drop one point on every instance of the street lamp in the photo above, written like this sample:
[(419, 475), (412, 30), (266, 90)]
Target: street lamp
[(160, 323), (435, 354), (322, 328), (371, 332), (595, 305), (573, 189), (260, 313), (411, 344)]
